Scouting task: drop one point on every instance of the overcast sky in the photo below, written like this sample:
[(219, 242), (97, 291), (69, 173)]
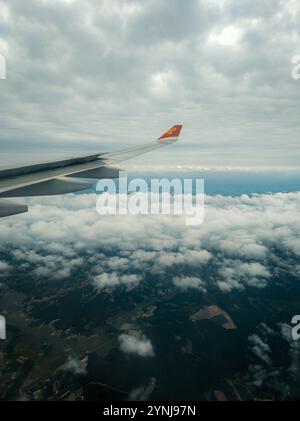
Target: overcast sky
[(94, 75)]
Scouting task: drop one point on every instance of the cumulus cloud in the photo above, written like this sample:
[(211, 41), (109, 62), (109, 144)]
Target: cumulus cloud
[(112, 280), (260, 375), (191, 257), (237, 274), (139, 345), (76, 366), (3, 267), (260, 348), (62, 235), (189, 282), (136, 394)]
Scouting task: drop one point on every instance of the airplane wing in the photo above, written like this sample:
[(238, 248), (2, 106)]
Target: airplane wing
[(54, 178)]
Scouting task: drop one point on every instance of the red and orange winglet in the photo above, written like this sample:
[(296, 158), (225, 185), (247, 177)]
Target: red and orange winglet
[(171, 135)]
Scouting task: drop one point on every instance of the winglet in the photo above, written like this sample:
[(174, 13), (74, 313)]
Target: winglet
[(171, 135)]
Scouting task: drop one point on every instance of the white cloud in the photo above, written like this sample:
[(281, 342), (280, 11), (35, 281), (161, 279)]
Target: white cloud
[(189, 282), (260, 349), (141, 346), (240, 238), (76, 366), (112, 280), (110, 65), (189, 257), (229, 36), (237, 275), (4, 267)]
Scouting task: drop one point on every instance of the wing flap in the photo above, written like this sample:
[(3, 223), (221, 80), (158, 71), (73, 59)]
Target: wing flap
[(47, 188), (10, 208), (99, 173)]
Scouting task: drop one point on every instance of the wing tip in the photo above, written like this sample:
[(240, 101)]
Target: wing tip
[(172, 135)]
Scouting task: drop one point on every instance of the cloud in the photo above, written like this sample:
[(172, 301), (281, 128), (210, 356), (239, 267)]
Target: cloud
[(136, 394), (63, 235), (260, 375), (4, 267), (141, 346), (76, 366), (112, 280), (80, 71), (237, 275), (191, 257), (189, 282), (260, 349)]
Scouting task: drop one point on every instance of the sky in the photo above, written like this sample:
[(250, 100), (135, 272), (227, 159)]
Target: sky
[(92, 76)]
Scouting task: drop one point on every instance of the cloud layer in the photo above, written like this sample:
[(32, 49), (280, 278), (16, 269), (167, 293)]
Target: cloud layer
[(243, 243), (89, 75)]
